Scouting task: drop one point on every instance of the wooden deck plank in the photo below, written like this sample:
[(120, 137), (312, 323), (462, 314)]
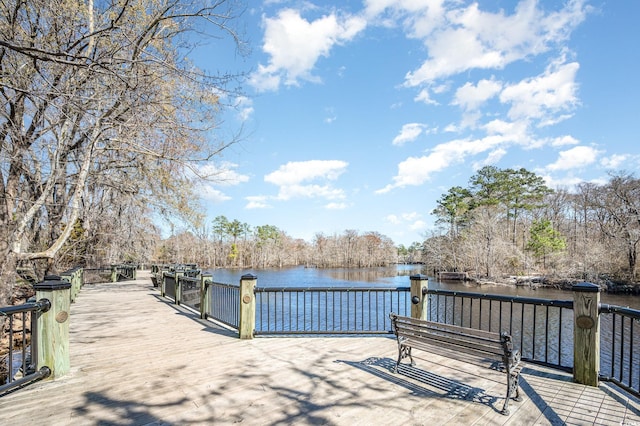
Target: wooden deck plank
[(136, 360)]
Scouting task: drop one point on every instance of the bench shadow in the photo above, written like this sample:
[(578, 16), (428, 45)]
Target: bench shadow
[(423, 383)]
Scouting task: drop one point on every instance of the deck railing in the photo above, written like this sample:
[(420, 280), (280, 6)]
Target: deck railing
[(620, 346), (548, 332), (328, 310), (19, 345), (542, 329), (223, 303)]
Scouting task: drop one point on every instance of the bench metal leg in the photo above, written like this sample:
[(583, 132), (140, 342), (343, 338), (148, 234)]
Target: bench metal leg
[(403, 352), (513, 388)]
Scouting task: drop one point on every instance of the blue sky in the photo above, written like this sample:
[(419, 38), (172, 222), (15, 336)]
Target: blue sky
[(361, 114)]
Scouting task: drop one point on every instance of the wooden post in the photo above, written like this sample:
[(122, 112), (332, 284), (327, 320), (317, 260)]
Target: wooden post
[(419, 301), (114, 273), (53, 326), (163, 287), (68, 277), (586, 333), (247, 306), (204, 295), (178, 287)]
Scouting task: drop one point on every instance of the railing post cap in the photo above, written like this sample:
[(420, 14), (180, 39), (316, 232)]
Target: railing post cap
[(52, 282), (419, 277), (249, 277), (586, 287)]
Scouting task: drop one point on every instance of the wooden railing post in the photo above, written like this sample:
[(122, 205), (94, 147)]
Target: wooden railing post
[(178, 287), (163, 283), (53, 326), (114, 273), (247, 306), (586, 333), (68, 277), (419, 300), (204, 295)]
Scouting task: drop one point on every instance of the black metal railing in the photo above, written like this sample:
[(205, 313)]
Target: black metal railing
[(331, 310), (126, 272), (541, 329), (20, 331), (170, 284), (97, 275), (620, 346), (223, 303), (189, 291)]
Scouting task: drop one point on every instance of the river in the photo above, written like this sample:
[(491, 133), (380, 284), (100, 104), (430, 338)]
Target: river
[(393, 276)]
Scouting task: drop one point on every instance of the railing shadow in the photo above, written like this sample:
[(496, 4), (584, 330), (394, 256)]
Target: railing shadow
[(207, 325), (451, 389), (623, 397)]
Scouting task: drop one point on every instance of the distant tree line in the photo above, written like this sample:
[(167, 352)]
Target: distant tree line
[(508, 222), (234, 244)]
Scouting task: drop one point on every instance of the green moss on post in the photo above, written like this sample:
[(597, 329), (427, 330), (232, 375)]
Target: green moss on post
[(53, 326)]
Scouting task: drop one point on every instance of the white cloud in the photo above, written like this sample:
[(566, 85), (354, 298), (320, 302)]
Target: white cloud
[(410, 220), (417, 170), (244, 105), (299, 171), (579, 156), (545, 95), (493, 157), (208, 192), (564, 140), (211, 176), (294, 45), (393, 219), (471, 96), (424, 96), (222, 174), (410, 216), (615, 162), (482, 40), (290, 177), (288, 192), (409, 133), (257, 202)]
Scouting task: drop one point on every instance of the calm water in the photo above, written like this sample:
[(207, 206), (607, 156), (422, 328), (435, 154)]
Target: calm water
[(397, 276)]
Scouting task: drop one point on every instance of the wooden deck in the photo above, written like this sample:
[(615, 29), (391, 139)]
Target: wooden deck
[(138, 360)]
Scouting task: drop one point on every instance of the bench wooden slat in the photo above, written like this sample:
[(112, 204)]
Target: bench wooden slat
[(449, 337), (456, 340), (455, 328)]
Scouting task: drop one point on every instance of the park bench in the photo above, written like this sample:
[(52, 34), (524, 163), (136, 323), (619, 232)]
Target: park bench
[(460, 343)]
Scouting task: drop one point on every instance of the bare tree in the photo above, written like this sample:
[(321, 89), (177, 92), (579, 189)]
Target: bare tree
[(99, 97)]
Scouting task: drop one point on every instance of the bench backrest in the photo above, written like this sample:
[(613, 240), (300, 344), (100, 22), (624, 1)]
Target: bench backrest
[(479, 342)]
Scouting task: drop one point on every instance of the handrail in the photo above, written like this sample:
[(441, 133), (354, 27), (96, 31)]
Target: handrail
[(502, 298), (615, 309), (28, 361)]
